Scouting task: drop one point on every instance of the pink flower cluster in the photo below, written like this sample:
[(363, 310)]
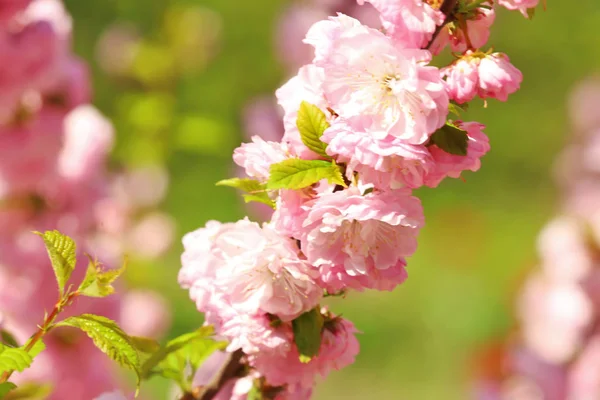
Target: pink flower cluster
[(379, 117), (53, 151), (557, 352)]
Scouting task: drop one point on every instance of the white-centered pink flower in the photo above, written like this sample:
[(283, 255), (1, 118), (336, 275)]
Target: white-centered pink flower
[(410, 22), (257, 157), (366, 74), (362, 241), (254, 268), (521, 5)]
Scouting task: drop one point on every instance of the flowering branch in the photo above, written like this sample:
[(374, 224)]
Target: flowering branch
[(447, 8)]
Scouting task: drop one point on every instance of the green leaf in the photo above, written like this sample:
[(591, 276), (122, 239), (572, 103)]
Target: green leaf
[(5, 388), (173, 346), (255, 393), (457, 109), (311, 123), (298, 174), (257, 191), (451, 139), (8, 339), (245, 184), (61, 250), (261, 198), (109, 338), (14, 359), (98, 282), (30, 391), (307, 334), (145, 345), (37, 348)]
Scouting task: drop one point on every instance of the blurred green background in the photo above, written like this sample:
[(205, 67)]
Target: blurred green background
[(200, 61)]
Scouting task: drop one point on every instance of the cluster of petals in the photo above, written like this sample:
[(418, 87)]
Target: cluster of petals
[(54, 148), (483, 75), (382, 104)]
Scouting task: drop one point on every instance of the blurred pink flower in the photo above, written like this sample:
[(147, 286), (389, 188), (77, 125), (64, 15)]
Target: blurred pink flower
[(145, 313)]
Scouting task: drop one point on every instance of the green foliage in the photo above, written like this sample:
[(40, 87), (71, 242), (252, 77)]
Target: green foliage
[(8, 339), (97, 282), (307, 334), (451, 139), (5, 388), (188, 350), (298, 174), (29, 391), (255, 393), (311, 123), (257, 191), (145, 345), (37, 348), (109, 338), (457, 109), (61, 250), (14, 359)]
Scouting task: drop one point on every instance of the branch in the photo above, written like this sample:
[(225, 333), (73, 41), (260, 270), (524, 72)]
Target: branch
[(446, 8), (233, 368)]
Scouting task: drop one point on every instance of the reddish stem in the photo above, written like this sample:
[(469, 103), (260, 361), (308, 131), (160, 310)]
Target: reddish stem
[(43, 329)]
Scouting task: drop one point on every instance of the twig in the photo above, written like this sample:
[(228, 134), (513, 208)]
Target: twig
[(446, 8), (43, 329), (233, 368)]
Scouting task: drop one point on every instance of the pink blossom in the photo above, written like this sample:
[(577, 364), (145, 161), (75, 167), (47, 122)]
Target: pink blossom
[(9, 8), (145, 313), (262, 271), (253, 333), (462, 79), (339, 348), (584, 382), (292, 26), (152, 236), (368, 236), (88, 138), (306, 86), (256, 268), (560, 308), (450, 165), (410, 22), (29, 151), (257, 157), (521, 5), (118, 395), (34, 59), (262, 118), (563, 248), (386, 163), (498, 77), (367, 75), (475, 35), (198, 264)]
